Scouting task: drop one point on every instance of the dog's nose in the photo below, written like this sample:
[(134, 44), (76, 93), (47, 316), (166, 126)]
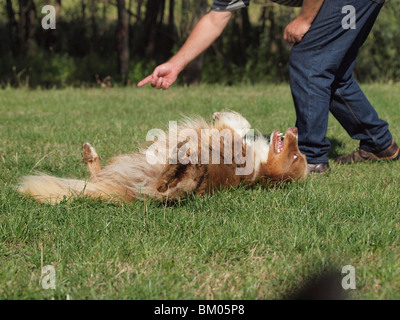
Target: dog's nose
[(294, 131)]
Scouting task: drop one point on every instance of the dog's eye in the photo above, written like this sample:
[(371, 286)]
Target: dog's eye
[(295, 156)]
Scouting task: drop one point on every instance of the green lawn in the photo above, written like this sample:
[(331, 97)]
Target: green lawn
[(239, 244)]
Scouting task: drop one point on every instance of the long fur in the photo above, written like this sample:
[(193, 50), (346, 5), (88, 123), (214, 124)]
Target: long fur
[(133, 176)]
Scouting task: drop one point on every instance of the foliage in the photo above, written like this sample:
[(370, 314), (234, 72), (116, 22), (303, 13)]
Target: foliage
[(83, 47), (379, 58)]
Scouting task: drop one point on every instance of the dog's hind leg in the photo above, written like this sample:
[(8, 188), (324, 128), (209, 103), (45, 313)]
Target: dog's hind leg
[(170, 177), (91, 159), (182, 179)]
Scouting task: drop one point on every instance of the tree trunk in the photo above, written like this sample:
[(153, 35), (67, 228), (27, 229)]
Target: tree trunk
[(123, 41), (93, 10), (51, 37), (130, 10), (26, 24), (93, 25), (12, 27), (246, 31), (151, 25), (184, 28), (171, 16), (139, 11), (170, 34), (272, 32), (161, 15), (83, 18)]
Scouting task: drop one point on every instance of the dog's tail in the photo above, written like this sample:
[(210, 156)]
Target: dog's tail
[(48, 189)]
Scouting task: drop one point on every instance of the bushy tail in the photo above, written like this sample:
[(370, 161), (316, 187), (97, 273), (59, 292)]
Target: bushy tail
[(48, 189)]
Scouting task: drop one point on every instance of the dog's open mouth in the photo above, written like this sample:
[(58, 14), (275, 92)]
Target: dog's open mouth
[(278, 140)]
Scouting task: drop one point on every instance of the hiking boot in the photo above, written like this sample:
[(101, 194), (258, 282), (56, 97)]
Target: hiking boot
[(359, 155), (318, 168)]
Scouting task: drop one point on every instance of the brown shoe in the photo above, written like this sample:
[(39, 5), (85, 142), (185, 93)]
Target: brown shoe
[(318, 168), (391, 153)]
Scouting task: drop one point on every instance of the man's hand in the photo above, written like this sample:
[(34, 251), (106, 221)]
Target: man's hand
[(204, 33), (163, 76), (296, 30)]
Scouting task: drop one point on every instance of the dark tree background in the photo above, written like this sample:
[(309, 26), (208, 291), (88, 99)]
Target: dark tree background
[(117, 42), (122, 41)]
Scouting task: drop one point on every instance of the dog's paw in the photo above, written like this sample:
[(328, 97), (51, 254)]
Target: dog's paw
[(216, 115), (89, 154)]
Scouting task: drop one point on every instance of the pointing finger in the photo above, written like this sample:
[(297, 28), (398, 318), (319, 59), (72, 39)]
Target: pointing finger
[(145, 81)]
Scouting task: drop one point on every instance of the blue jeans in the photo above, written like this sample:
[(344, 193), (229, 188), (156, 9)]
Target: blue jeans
[(321, 80)]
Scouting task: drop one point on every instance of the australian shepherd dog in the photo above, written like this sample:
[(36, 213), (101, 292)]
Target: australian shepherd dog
[(194, 157)]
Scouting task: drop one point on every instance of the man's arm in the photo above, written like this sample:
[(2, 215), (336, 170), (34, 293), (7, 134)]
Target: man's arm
[(296, 30), (206, 31)]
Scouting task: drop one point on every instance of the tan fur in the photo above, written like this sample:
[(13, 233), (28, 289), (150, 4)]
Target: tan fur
[(91, 159), (130, 177)]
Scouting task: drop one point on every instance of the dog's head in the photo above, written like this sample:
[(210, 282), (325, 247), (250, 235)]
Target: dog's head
[(285, 161)]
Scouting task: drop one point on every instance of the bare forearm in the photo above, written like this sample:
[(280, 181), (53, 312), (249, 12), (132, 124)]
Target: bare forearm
[(207, 30)]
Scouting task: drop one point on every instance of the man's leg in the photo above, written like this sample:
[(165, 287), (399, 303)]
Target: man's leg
[(357, 116), (349, 104), (314, 65)]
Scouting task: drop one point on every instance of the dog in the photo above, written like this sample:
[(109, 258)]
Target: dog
[(194, 157)]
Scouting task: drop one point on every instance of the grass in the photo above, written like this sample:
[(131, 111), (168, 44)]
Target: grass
[(238, 244)]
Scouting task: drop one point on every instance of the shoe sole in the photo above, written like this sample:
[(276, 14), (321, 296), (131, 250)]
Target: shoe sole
[(394, 157)]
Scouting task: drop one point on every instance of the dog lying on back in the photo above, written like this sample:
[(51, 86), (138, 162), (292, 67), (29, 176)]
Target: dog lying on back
[(195, 157)]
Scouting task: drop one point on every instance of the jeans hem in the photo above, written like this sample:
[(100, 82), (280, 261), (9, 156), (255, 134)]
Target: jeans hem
[(317, 161)]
